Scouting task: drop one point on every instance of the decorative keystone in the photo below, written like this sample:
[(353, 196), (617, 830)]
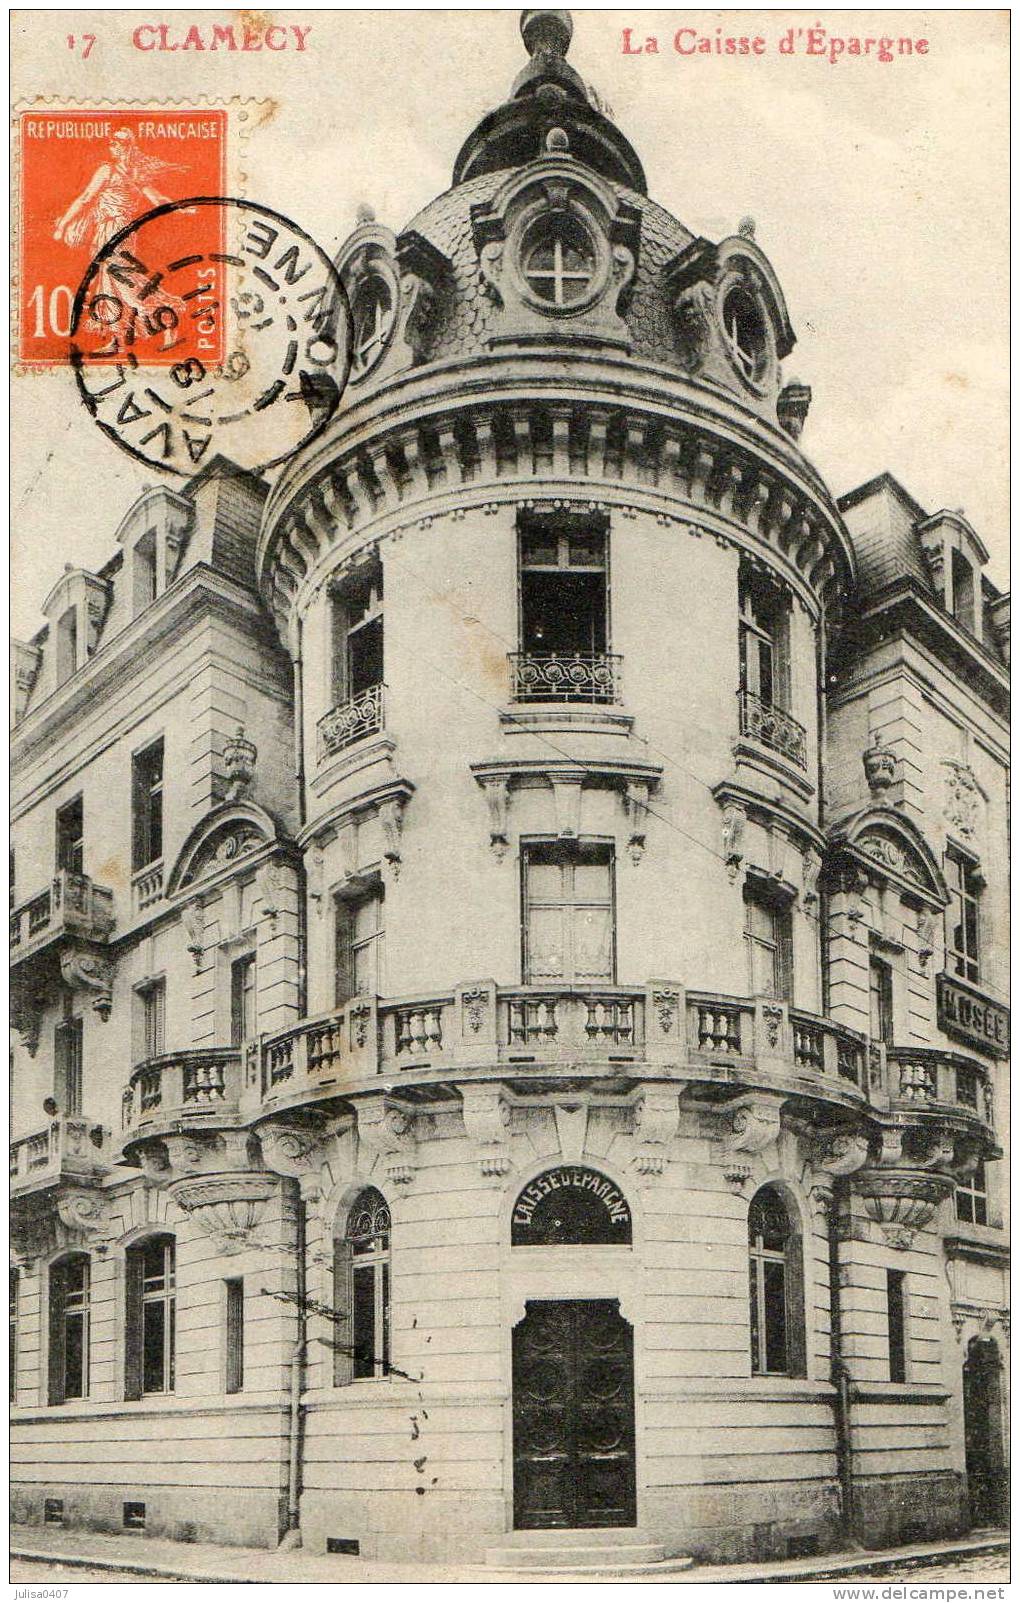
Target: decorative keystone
[(656, 1123)]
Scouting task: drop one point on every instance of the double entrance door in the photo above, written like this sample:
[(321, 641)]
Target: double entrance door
[(573, 1416)]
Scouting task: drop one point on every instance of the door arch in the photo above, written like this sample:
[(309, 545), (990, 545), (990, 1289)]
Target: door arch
[(573, 1416), (983, 1432)]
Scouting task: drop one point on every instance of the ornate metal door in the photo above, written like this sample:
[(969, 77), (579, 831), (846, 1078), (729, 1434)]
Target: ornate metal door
[(573, 1410)]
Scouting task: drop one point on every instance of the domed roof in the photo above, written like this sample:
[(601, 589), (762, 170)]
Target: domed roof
[(548, 94)]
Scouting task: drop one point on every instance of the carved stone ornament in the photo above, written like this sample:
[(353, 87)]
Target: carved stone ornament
[(239, 758), (792, 408), (734, 822), (962, 804), (755, 1123), (228, 1207), (270, 880), (887, 854), (841, 1153), (388, 1130), (737, 1172), (86, 1215), (772, 1018), (391, 818), (487, 1117), (879, 766), (636, 801), (901, 1203), (84, 970), (694, 309), (666, 1002), (811, 870), (289, 1150), (656, 1123), (497, 795), (925, 937), (193, 924), (475, 1001)]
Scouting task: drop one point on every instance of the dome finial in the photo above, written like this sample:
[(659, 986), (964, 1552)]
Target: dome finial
[(546, 32)]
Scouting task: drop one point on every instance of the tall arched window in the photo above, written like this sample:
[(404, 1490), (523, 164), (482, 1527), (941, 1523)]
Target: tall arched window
[(777, 1314), (70, 1292), (151, 1317), (361, 1274)]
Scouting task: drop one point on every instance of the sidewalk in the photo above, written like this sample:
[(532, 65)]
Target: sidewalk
[(138, 1557)]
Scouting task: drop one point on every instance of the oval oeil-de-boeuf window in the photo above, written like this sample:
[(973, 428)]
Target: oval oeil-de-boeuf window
[(571, 1206)]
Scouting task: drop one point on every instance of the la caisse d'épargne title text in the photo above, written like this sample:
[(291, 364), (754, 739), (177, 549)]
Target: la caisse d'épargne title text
[(813, 41)]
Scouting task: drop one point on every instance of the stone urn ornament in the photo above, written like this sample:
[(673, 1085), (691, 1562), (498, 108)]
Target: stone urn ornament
[(879, 765), (239, 757)]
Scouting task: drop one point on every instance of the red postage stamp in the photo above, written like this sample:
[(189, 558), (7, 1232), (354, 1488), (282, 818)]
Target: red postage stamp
[(85, 176)]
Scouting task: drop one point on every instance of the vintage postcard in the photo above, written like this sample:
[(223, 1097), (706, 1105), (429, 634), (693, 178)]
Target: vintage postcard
[(508, 880)]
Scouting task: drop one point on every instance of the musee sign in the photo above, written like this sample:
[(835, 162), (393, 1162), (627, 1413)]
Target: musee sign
[(973, 1017)]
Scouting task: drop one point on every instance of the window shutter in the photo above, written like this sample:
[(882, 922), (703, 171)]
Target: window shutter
[(343, 1326), (56, 1332), (784, 936), (133, 1324)]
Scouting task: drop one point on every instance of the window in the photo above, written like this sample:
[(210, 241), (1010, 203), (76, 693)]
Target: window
[(153, 999), (568, 913), (962, 916), (71, 837), (67, 644), (764, 641), (69, 1328), (881, 983), (744, 330), (243, 1023), (373, 319), (768, 944), (360, 940), (234, 1296), (895, 1302), (777, 1316), (559, 262), (963, 591), (564, 612), (144, 572), (361, 1271), (147, 805), (151, 1317), (12, 1362), (67, 1063), (972, 1197), (358, 637)]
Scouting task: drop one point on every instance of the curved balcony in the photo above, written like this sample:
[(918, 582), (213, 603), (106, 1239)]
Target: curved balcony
[(536, 1033), (360, 715), (586, 678), (773, 728), (181, 1091), (931, 1081)]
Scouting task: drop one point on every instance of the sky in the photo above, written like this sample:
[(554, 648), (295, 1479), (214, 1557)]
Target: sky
[(878, 190)]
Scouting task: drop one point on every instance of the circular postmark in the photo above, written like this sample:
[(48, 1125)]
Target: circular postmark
[(207, 326)]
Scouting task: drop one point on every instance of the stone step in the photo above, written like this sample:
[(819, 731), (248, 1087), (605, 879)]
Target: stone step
[(567, 1558)]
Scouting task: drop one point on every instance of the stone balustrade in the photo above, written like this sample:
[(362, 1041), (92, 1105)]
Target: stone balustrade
[(71, 905), (182, 1086), (932, 1080), (71, 1147)]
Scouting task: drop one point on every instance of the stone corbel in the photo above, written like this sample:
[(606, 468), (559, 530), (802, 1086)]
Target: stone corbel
[(925, 937), (937, 1151), (840, 1153), (755, 1123), (83, 970), (228, 1207), (391, 817), (656, 1123), (809, 881), (193, 924), (86, 1215), (567, 804), (734, 823), (294, 1151), (636, 803), (315, 874), (487, 1116), (26, 1018), (792, 408), (496, 788), (423, 271), (388, 1130), (270, 884)]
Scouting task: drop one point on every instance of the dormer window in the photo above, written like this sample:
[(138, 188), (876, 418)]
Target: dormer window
[(373, 320), (144, 575), (963, 591), (67, 644), (559, 262), (744, 330)]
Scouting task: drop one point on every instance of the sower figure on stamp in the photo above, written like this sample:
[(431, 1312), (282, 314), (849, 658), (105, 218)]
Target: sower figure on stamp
[(118, 192)]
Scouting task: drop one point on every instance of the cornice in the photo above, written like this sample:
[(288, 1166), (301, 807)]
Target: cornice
[(981, 671)]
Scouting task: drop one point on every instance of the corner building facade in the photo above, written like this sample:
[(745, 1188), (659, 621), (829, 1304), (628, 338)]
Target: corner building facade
[(510, 937)]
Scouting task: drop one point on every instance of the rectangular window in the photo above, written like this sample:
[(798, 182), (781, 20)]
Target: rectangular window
[(768, 945), (358, 636), (243, 1024), (12, 1370), (569, 920), (68, 1066), (147, 805), (963, 591), (895, 1301), (71, 837), (962, 916), (67, 644), (69, 1299), (564, 591), (972, 1197), (151, 1307), (881, 982), (235, 1335), (360, 937), (764, 641), (154, 1020), (145, 577)]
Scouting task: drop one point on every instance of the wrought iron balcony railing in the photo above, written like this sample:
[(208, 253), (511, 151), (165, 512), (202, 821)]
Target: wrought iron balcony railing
[(772, 727), (360, 715), (68, 1148), (72, 905), (592, 676)]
